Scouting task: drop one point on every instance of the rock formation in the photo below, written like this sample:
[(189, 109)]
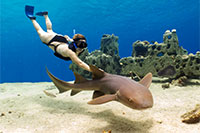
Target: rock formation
[(165, 59)]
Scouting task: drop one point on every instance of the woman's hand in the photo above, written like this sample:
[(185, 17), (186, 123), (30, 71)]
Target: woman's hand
[(68, 38)]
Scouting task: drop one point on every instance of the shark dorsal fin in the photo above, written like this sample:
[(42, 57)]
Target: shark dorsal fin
[(96, 72), (146, 81), (79, 78)]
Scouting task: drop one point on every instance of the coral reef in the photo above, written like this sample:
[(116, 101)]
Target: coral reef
[(109, 45), (193, 116), (165, 59), (170, 46), (107, 58)]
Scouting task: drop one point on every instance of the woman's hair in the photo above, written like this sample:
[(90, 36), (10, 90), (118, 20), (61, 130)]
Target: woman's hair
[(77, 37)]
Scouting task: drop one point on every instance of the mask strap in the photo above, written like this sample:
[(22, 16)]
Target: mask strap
[(74, 45)]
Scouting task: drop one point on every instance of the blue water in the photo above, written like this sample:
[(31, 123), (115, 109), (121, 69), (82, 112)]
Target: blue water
[(24, 56)]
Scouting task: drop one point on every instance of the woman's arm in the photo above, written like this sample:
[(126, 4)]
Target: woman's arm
[(65, 51), (77, 61)]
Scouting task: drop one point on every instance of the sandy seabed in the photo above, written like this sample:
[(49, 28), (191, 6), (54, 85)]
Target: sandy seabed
[(24, 108)]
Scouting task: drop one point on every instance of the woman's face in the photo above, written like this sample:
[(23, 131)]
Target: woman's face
[(81, 43)]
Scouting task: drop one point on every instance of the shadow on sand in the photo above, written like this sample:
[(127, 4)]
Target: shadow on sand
[(115, 123)]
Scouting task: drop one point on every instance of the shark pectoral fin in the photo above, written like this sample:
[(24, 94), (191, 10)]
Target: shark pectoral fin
[(74, 92), (97, 94), (146, 81), (96, 72), (103, 99)]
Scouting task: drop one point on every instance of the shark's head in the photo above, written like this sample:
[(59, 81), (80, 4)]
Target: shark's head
[(135, 99), (136, 95)]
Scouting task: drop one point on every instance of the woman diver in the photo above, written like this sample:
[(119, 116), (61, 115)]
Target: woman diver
[(63, 46)]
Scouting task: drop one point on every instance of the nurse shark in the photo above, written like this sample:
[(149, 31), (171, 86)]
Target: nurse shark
[(109, 87)]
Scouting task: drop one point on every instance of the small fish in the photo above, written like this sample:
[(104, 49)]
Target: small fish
[(109, 87), (167, 71)]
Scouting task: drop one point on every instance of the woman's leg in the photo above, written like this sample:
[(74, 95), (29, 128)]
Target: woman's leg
[(44, 36), (48, 24)]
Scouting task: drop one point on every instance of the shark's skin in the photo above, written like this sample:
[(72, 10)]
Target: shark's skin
[(109, 87)]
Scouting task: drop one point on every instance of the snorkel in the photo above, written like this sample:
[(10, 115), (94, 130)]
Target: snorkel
[(74, 32), (73, 42)]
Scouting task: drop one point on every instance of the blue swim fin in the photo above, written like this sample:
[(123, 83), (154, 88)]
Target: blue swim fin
[(42, 13), (29, 10)]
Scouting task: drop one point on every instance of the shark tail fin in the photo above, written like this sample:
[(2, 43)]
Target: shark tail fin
[(60, 84), (146, 80)]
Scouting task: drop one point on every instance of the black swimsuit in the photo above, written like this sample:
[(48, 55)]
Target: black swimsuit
[(59, 38)]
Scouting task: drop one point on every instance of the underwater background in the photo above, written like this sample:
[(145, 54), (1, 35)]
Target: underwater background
[(23, 57)]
